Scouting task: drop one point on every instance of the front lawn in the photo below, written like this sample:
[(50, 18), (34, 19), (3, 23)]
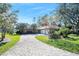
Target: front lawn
[(14, 39), (65, 44)]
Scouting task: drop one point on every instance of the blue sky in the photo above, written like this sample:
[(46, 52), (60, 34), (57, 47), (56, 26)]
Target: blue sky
[(29, 10)]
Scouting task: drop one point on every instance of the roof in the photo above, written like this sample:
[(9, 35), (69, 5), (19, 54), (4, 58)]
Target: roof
[(48, 27)]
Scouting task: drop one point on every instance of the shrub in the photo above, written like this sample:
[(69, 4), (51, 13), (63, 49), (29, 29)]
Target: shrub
[(53, 33), (64, 31), (58, 33)]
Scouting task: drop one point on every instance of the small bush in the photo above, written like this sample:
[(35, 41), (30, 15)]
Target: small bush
[(74, 37), (58, 33), (53, 33), (64, 31)]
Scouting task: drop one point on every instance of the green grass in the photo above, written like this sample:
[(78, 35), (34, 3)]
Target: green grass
[(14, 39), (66, 44)]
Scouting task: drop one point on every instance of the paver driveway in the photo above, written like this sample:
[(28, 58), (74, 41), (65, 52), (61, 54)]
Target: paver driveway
[(29, 46)]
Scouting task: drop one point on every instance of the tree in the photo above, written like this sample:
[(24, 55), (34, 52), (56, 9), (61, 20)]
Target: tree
[(34, 28), (12, 20), (22, 28), (43, 20), (39, 22), (34, 19), (7, 19), (69, 13)]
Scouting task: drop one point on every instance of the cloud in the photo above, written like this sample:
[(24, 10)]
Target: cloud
[(23, 19), (37, 8), (46, 10)]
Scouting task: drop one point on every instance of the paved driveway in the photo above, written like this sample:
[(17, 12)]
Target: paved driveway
[(29, 46)]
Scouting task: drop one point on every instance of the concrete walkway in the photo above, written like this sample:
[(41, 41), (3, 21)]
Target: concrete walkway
[(29, 46)]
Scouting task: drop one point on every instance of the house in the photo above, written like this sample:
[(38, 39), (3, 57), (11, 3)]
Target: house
[(46, 28)]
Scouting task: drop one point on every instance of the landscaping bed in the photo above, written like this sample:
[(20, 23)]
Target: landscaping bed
[(65, 44)]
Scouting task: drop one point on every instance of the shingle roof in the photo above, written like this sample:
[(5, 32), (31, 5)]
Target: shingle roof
[(48, 27)]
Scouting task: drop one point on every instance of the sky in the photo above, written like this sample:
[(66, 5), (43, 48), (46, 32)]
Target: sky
[(29, 10)]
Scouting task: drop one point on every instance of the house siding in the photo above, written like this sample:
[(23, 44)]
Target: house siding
[(45, 31)]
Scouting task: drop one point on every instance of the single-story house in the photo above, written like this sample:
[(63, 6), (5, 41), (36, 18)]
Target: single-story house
[(45, 29)]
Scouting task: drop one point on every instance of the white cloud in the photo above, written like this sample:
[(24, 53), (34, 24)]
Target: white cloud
[(37, 8), (25, 20), (46, 10)]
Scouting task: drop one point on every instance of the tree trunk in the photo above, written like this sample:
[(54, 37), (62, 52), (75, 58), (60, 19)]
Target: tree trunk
[(2, 36), (3, 33)]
